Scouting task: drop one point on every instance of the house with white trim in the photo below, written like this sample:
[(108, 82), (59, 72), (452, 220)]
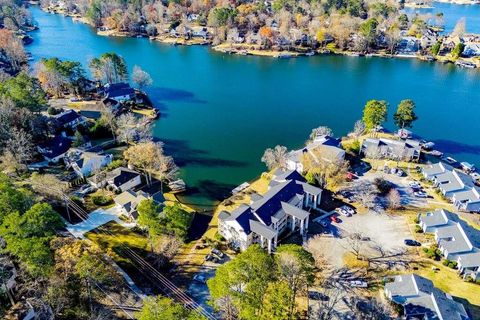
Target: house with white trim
[(283, 208)]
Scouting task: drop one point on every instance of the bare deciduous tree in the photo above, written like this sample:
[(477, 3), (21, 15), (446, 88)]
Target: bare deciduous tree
[(141, 78), (321, 131), (275, 158), (394, 199)]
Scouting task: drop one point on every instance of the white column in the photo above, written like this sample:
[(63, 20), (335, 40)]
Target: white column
[(315, 202), (276, 240), (306, 222), (293, 223), (301, 226), (269, 246), (261, 241)]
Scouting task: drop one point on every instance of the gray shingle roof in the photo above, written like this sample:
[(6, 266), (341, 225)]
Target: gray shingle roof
[(438, 217)]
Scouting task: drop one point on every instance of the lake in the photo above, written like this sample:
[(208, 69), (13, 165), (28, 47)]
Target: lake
[(452, 13), (220, 112)]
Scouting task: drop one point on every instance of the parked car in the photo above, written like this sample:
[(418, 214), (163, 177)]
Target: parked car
[(348, 209), (218, 253), (209, 257), (359, 284), (318, 296), (412, 243), (334, 219), (415, 185), (343, 212), (400, 173), (420, 194), (199, 278), (393, 171)]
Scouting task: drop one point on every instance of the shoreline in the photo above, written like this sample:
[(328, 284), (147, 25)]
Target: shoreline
[(254, 50)]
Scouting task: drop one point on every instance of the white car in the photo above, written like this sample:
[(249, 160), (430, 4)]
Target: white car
[(358, 284), (343, 212), (420, 194), (348, 209), (414, 185)]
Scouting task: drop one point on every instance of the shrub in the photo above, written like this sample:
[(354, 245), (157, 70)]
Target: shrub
[(219, 237), (445, 262), (418, 229), (383, 186), (433, 252), (416, 220), (100, 199), (53, 111), (115, 164)]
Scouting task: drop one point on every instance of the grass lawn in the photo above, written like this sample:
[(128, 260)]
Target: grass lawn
[(448, 280), (112, 244)]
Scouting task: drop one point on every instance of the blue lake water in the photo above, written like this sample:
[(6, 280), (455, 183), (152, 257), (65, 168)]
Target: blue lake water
[(220, 112)]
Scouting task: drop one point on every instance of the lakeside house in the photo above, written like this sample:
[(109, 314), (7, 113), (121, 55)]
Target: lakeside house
[(456, 240), (120, 91), (422, 300), (283, 208), (457, 186), (69, 119), (329, 148), (55, 149), (119, 180), (128, 201), (383, 148), (86, 163)]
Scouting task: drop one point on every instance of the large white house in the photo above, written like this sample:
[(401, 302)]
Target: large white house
[(281, 209)]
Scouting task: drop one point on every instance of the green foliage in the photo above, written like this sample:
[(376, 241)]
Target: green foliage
[(369, 30), (374, 113), (78, 139), (436, 48), (149, 216), (109, 68), (114, 164), (353, 148), (310, 177), (257, 286), (71, 72), (418, 229), (28, 235), (433, 252), (403, 21), (160, 308), (458, 50), (416, 220), (449, 263), (405, 114), (53, 111), (25, 92), (101, 199), (221, 16), (12, 199), (176, 220)]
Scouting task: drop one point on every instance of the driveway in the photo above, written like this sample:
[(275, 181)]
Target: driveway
[(96, 219)]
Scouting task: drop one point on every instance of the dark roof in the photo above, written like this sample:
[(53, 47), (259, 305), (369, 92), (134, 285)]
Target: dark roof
[(289, 175), (67, 117), (122, 175), (271, 201), (56, 146), (118, 89)]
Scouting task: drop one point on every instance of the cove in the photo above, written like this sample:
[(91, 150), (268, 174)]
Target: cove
[(220, 112)]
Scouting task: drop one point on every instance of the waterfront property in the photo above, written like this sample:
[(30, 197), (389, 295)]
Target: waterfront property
[(328, 148), (128, 201), (383, 148), (120, 92), (422, 300), (456, 240), (119, 180), (455, 185), (283, 208), (86, 163)]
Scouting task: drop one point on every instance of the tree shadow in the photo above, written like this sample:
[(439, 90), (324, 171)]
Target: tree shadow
[(211, 189), (157, 94), (456, 147), (199, 226), (185, 155)]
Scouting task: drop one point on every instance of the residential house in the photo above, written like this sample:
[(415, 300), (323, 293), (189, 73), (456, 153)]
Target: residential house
[(69, 119), (408, 45), (55, 149), (120, 179), (456, 240), (283, 208), (327, 147), (472, 49), (120, 92), (86, 163), (422, 300), (199, 32), (455, 185), (382, 148), (128, 201)]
